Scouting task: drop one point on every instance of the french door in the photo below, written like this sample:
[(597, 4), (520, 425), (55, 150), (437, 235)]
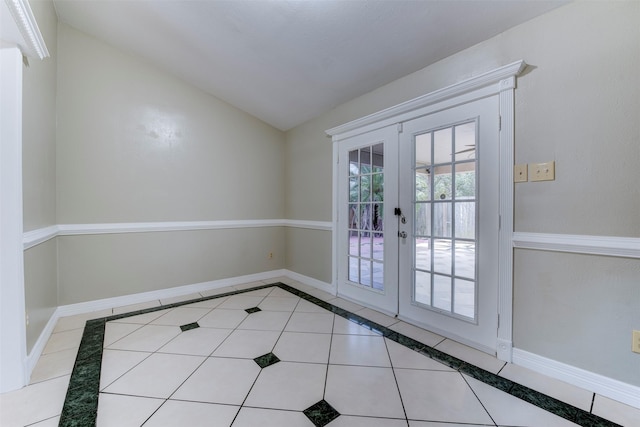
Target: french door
[(418, 221)]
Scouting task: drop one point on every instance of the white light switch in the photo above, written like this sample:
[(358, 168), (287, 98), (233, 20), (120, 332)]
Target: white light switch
[(543, 171)]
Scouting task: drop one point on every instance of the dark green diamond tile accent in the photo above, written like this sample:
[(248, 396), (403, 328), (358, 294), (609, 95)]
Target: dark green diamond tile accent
[(321, 413), (266, 360), (253, 310), (189, 326)]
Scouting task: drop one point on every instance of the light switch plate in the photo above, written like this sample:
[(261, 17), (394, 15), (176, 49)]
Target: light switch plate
[(520, 173), (635, 346), (543, 171)]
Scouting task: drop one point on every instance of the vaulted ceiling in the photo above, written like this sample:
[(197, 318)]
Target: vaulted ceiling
[(286, 61)]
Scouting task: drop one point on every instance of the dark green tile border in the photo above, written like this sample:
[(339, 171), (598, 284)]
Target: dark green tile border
[(81, 403)]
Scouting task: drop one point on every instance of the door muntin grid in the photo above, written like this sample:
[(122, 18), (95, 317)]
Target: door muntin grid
[(366, 217), (445, 234)]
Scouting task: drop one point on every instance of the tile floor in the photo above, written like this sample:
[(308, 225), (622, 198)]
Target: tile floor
[(222, 362)]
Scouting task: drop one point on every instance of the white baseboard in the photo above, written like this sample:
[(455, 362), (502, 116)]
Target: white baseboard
[(318, 284), (599, 384), (40, 344), (124, 300)]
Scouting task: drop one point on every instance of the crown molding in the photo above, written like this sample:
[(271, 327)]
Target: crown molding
[(30, 40)]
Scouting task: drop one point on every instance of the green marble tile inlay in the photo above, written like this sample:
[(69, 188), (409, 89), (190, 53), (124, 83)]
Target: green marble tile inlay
[(321, 413), (253, 310), (189, 326), (81, 404), (266, 360)]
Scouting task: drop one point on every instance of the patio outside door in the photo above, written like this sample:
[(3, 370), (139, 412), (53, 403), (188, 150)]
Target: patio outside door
[(449, 176)]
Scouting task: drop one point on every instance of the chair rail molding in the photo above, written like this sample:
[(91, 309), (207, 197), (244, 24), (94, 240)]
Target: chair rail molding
[(624, 247)]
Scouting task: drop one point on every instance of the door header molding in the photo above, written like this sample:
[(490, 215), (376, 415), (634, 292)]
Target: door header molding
[(497, 80)]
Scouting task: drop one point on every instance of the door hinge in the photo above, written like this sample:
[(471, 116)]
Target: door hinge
[(399, 127), (499, 222), (499, 122), (498, 321)]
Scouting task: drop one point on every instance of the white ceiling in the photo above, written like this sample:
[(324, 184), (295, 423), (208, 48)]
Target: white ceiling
[(285, 61)]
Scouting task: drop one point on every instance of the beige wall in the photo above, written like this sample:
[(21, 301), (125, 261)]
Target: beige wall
[(577, 104), (135, 144), (39, 173)]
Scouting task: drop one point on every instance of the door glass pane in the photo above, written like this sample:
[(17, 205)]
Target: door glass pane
[(465, 141), (423, 287), (465, 298), (465, 259), (366, 216), (423, 254), (442, 256), (442, 292), (423, 219), (442, 183), (465, 220), (442, 145), (442, 219), (423, 150), (423, 185), (465, 181)]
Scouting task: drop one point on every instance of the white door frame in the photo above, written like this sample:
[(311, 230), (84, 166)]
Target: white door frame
[(501, 81), (19, 36)]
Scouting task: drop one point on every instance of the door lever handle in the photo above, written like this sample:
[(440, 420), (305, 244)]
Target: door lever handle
[(402, 234)]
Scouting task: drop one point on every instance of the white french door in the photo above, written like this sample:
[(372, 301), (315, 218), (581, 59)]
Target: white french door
[(448, 263), (418, 221), (367, 194)]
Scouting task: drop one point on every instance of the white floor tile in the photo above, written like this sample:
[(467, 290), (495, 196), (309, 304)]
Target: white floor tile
[(266, 321), (147, 338), (217, 291), (78, 321), (376, 316), (305, 306), (471, 355), (157, 376), (403, 357), (136, 307), (196, 342), (359, 390), (418, 334), (63, 341), (303, 347), (51, 422), (363, 350), (510, 411), (54, 365), (347, 327), (220, 380), (310, 322), (322, 295), (272, 303), (252, 417), (142, 319), (181, 316), (431, 424), (34, 403), (617, 412), (345, 304), (114, 331), (288, 385), (279, 292), (247, 344), (116, 363), (241, 301), (180, 298), (208, 303), (125, 411), (439, 396), (175, 413), (351, 421), (222, 318), (250, 285), (560, 390)]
